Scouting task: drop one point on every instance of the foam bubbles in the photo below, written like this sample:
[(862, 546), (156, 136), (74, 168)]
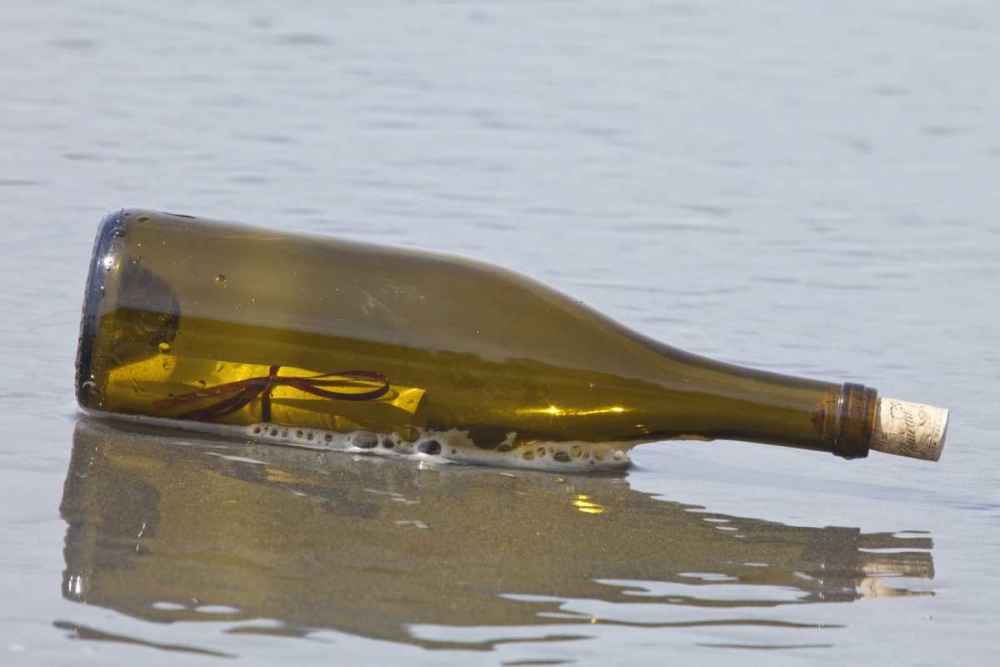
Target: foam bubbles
[(453, 446)]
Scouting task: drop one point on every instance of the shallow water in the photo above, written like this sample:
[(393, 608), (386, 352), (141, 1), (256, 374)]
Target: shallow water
[(810, 190)]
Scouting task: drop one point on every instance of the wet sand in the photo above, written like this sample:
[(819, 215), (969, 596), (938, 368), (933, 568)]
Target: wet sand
[(171, 529)]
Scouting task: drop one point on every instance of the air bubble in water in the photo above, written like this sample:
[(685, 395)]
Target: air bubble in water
[(408, 433), (220, 280), (432, 447)]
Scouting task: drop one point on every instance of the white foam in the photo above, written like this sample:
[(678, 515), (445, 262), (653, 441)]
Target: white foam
[(239, 459), (453, 445)]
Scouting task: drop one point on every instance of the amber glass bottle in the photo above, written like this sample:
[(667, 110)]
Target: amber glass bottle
[(328, 343)]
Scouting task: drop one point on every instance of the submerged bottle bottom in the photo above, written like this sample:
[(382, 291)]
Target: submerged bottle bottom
[(452, 446)]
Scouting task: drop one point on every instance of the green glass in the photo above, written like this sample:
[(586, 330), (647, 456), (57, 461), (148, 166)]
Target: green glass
[(323, 342)]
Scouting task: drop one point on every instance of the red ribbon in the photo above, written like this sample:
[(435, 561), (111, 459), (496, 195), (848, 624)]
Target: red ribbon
[(249, 389)]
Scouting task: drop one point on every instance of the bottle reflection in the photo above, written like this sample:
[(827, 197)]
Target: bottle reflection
[(170, 529)]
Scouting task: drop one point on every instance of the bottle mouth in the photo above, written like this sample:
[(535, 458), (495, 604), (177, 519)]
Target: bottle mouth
[(100, 265)]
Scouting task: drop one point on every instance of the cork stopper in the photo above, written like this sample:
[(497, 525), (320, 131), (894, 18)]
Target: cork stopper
[(909, 429)]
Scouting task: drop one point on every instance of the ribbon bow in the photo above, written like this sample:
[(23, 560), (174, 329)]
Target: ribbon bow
[(249, 389)]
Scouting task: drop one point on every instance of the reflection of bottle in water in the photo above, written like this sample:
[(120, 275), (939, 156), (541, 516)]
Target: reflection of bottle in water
[(306, 538), (327, 343)]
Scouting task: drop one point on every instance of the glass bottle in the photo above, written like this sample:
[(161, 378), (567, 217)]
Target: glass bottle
[(327, 343)]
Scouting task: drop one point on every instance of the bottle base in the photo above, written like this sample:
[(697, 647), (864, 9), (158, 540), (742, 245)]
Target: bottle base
[(92, 296)]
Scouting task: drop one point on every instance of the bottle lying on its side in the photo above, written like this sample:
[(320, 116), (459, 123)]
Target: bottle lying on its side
[(326, 343)]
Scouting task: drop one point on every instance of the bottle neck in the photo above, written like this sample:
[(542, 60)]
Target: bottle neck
[(721, 401), (833, 418)]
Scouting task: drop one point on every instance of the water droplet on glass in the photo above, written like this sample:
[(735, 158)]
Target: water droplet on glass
[(118, 233), (220, 280)]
